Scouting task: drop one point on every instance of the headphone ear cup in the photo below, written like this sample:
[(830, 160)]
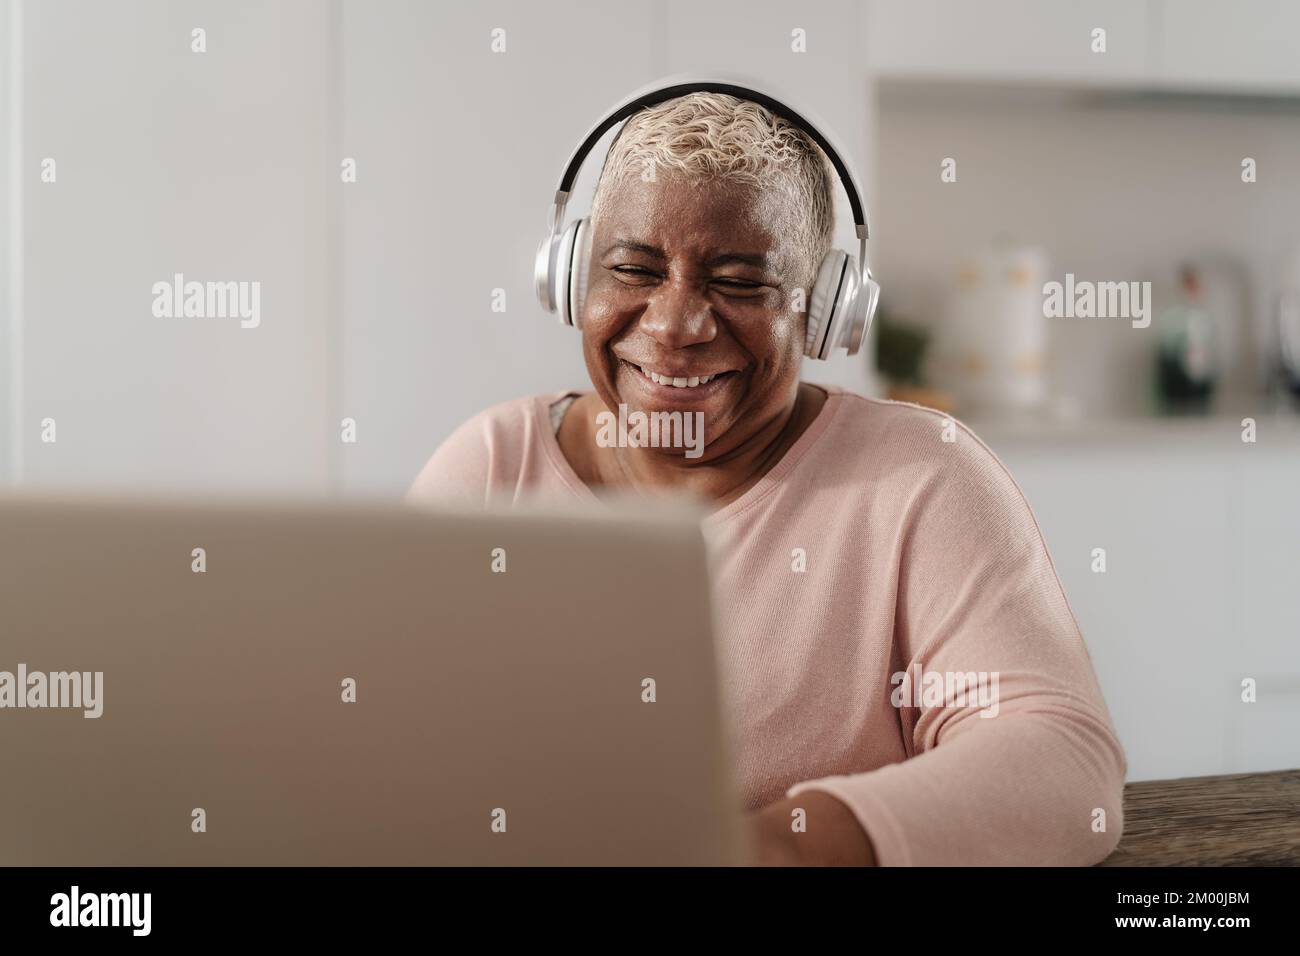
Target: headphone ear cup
[(823, 305)]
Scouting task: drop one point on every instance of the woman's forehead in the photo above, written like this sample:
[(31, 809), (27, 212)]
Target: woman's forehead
[(673, 208)]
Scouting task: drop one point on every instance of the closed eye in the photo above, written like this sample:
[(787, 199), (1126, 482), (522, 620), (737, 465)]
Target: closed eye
[(729, 285), (633, 272)]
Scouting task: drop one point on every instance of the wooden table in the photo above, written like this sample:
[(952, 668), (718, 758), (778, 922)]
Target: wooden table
[(1245, 819)]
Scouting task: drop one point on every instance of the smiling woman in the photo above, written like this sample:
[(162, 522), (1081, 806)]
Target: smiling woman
[(856, 539)]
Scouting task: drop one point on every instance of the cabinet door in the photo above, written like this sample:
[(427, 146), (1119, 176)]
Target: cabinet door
[(1211, 45), (1007, 39), (1158, 621), (1264, 586)]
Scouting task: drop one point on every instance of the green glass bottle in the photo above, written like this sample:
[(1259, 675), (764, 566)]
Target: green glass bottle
[(1187, 360)]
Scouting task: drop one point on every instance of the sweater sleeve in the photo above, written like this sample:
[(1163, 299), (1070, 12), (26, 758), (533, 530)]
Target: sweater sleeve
[(1026, 769), (460, 470)]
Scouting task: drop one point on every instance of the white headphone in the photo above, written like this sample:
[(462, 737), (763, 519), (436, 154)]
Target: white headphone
[(844, 296)]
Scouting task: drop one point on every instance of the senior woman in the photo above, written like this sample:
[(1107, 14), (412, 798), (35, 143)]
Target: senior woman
[(864, 546)]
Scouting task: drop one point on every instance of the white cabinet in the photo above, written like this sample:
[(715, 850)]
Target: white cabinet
[(1202, 582), (1237, 47), (1263, 586), (1206, 46), (1007, 39)]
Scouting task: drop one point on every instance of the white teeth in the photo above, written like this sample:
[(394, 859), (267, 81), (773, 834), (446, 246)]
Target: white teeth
[(677, 382)]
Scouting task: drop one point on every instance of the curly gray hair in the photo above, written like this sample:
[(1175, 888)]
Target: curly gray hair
[(719, 136)]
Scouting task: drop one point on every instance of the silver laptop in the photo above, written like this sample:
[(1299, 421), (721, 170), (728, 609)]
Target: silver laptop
[(289, 684)]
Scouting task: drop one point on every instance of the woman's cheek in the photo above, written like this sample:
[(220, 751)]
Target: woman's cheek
[(600, 326)]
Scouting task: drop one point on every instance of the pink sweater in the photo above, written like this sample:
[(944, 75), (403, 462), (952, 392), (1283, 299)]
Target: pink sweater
[(921, 558)]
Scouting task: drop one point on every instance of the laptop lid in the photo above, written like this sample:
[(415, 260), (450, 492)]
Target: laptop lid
[(315, 684)]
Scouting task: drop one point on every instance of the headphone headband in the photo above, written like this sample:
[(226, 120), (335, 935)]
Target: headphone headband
[(682, 86)]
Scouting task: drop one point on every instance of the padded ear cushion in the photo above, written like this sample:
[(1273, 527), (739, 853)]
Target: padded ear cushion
[(543, 273), (561, 274), (868, 299), (828, 292), (579, 269)]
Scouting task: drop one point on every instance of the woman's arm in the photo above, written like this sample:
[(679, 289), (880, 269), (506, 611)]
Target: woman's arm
[(1033, 773), (831, 835)]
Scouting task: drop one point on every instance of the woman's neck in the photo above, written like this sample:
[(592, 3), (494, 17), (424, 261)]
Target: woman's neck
[(649, 471)]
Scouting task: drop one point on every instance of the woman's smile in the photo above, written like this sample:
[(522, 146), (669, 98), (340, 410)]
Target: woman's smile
[(678, 387)]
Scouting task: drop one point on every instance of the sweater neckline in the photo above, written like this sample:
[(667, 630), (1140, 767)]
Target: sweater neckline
[(761, 488)]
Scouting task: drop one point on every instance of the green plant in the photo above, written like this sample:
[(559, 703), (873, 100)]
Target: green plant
[(900, 349)]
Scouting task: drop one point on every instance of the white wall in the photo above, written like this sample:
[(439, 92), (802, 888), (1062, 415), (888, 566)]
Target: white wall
[(10, 235), (216, 165)]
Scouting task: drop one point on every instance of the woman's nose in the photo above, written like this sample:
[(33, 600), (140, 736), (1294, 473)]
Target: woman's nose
[(679, 315)]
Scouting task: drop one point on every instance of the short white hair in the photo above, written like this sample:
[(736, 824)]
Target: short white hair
[(722, 137)]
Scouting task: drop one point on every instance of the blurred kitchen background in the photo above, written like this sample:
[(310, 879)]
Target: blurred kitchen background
[(1117, 166)]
